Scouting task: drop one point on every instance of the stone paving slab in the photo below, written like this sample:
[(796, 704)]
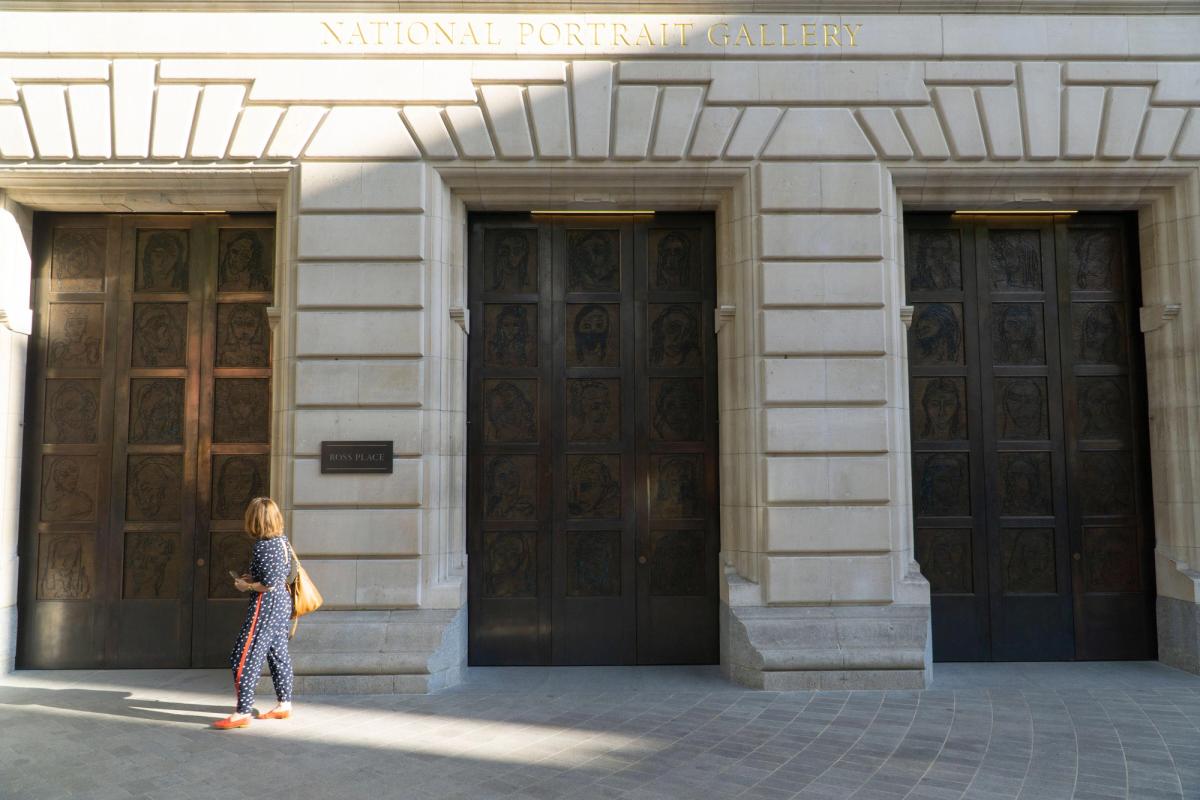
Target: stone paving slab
[(986, 731)]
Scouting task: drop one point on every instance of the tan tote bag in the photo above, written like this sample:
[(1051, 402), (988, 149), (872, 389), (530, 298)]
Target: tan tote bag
[(306, 598)]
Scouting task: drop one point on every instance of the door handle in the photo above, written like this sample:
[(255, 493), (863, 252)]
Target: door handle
[(199, 562), (1076, 556), (641, 559)]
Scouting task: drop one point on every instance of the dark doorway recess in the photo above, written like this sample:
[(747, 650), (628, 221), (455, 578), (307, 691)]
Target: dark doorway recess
[(592, 440), (148, 431), (1031, 487)]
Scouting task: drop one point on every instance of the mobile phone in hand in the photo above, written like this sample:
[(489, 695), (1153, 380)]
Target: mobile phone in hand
[(234, 575)]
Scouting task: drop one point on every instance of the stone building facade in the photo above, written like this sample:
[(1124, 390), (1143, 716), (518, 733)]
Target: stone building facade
[(372, 136)]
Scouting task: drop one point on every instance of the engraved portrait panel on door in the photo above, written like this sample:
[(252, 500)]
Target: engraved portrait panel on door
[(935, 261), (1111, 562), (675, 256), (238, 479), (510, 334), (593, 335), (593, 410), (510, 261), (1027, 559), (1103, 407), (77, 260), (1021, 408), (939, 410), (677, 409), (246, 260), (1016, 260), (942, 484), (677, 486), (72, 411), (936, 336), (1024, 483), (593, 563), (159, 335), (1018, 333), (945, 558), (156, 410), (241, 410), (76, 335), (1107, 479), (594, 486), (510, 487), (509, 564), (229, 551), (593, 261), (153, 486), (510, 408), (1097, 330), (674, 335), (243, 336), (162, 261), (1094, 259), (676, 563), (152, 565), (66, 566), (69, 488)]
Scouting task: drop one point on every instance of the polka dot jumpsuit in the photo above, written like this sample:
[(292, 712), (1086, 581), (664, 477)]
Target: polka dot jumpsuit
[(264, 635)]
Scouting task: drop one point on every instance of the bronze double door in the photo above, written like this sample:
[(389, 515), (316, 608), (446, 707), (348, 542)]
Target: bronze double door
[(148, 410), (592, 476), (1029, 431)]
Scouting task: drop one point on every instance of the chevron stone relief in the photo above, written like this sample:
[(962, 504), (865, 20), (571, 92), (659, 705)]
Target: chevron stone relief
[(55, 110)]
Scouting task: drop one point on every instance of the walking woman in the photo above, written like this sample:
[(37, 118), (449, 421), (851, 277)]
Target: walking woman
[(264, 635)]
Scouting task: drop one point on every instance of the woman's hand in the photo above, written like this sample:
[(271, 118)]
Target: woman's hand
[(242, 583)]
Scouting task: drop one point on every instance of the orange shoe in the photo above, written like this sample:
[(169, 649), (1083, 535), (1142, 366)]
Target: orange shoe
[(230, 723), (276, 715)]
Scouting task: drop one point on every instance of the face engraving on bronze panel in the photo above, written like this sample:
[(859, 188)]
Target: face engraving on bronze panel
[(1110, 560), (72, 411), (676, 563), (77, 262), (159, 335), (593, 261), (1021, 408), (594, 339), (943, 485), (1107, 480), (593, 410), (246, 261), (509, 564), (228, 550), (66, 567), (1025, 487), (593, 563), (1094, 259), (238, 479), (673, 267), (945, 558), (162, 264), (75, 334), (156, 411), (1017, 333), (69, 486), (935, 261), (510, 335), (243, 336), (594, 487), (940, 413), (674, 335), (510, 487), (151, 566), (154, 483), (1103, 408), (510, 261), (677, 409), (677, 486), (1016, 259), (241, 409), (1098, 330), (936, 336), (1027, 560), (510, 411)]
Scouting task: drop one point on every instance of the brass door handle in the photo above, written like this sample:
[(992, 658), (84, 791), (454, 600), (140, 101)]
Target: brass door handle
[(199, 562), (641, 559), (1076, 556)]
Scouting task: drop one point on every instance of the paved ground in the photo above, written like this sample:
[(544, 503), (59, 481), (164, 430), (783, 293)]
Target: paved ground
[(984, 731)]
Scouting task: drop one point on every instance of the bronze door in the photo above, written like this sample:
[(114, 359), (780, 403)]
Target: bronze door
[(592, 524), (138, 321), (1029, 447)]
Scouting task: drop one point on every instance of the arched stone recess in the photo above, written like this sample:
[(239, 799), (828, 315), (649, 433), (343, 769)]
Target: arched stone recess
[(372, 166)]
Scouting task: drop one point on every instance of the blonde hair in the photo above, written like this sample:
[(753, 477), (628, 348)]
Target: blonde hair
[(263, 519)]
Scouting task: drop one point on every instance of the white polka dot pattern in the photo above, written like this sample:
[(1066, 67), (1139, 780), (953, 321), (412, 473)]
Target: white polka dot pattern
[(264, 635)]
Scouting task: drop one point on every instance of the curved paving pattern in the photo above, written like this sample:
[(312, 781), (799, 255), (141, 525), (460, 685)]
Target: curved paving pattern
[(984, 731)]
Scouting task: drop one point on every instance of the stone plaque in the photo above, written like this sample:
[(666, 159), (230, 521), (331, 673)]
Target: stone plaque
[(357, 457)]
